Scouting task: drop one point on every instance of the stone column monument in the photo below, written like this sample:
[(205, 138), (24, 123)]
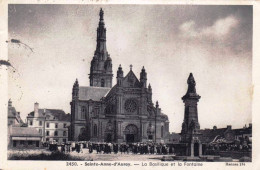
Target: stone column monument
[(190, 126)]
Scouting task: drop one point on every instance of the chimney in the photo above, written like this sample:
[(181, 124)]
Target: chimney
[(229, 127), (9, 103), (36, 109)]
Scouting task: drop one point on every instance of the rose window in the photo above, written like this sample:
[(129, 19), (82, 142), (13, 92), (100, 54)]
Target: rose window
[(130, 105)]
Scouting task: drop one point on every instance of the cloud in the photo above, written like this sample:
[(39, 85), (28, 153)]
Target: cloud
[(220, 29)]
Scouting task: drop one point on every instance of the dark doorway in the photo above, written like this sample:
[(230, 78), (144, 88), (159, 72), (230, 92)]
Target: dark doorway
[(150, 137), (196, 149), (131, 133), (14, 143), (37, 143), (109, 138), (130, 138), (84, 134)]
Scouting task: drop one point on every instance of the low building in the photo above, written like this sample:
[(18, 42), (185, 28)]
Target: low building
[(52, 124), (174, 138), (13, 119), (226, 135), (244, 133), (24, 137)]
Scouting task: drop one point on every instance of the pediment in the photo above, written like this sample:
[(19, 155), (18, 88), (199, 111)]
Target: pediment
[(131, 80)]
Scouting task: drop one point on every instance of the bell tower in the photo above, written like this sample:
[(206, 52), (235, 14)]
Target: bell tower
[(101, 73)]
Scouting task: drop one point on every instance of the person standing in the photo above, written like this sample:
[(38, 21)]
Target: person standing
[(90, 148), (81, 147)]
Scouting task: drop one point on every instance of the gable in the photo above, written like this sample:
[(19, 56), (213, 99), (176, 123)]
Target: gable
[(130, 80)]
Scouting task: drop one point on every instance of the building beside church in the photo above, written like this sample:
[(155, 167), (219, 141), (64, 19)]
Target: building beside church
[(24, 137), (20, 136), (124, 112), (51, 124)]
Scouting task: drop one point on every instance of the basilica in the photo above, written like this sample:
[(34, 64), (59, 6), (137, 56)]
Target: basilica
[(123, 112)]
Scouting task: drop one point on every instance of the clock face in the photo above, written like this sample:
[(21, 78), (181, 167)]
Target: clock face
[(130, 105)]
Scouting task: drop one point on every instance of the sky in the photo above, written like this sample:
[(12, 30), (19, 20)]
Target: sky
[(170, 41)]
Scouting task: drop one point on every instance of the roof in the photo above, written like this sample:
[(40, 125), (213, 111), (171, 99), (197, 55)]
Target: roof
[(174, 136), (208, 135), (130, 80), (11, 112), (243, 131), (24, 131), (57, 113), (112, 90), (93, 93)]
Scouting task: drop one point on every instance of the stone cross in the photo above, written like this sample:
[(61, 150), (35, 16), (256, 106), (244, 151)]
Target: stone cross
[(131, 66)]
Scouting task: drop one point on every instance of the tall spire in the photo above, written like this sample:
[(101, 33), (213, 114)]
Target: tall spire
[(101, 37), (101, 72), (101, 14)]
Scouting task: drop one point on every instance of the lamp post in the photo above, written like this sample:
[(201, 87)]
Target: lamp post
[(156, 112)]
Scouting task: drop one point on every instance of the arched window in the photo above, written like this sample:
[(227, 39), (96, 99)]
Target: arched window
[(95, 130), (162, 132), (102, 83), (96, 112), (83, 112)]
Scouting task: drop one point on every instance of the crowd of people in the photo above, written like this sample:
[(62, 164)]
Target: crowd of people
[(139, 148), (112, 148), (228, 147)]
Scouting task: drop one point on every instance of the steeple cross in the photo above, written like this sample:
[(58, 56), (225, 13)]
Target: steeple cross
[(131, 66)]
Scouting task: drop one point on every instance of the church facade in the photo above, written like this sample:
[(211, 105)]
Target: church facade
[(124, 112)]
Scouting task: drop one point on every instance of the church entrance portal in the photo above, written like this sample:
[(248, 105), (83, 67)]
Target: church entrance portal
[(196, 149), (109, 137), (130, 138), (131, 134), (83, 135)]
